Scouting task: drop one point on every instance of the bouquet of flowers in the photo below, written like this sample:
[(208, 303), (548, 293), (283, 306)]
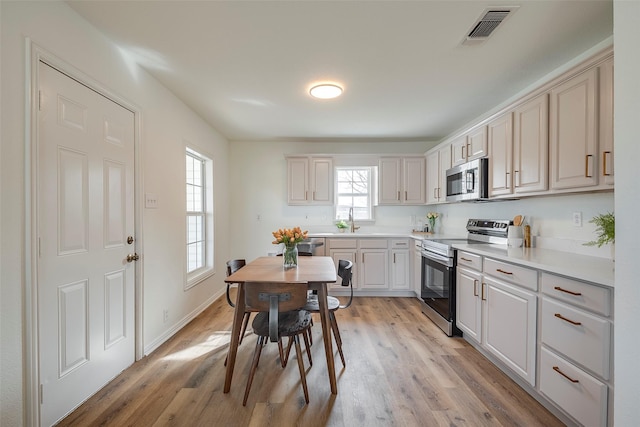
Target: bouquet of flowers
[(432, 216), (289, 236)]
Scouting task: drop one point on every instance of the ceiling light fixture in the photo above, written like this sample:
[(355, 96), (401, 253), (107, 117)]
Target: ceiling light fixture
[(325, 91)]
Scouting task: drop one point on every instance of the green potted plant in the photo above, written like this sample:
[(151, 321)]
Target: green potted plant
[(606, 231), (342, 225)]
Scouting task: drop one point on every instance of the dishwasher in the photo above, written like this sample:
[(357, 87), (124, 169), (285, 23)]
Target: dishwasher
[(315, 245)]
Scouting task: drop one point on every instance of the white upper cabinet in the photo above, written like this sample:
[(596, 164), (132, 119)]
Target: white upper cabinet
[(530, 145), (606, 123), (438, 162), (500, 150), (309, 180), (470, 146), (573, 158), (401, 181)]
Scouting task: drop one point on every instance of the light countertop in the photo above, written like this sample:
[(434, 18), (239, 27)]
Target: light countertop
[(582, 267)]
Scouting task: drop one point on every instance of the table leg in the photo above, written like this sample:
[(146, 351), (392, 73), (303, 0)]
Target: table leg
[(235, 336), (326, 335)]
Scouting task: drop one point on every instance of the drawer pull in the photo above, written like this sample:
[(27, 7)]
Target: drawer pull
[(555, 368), (503, 272), (465, 259), (558, 288), (560, 316)]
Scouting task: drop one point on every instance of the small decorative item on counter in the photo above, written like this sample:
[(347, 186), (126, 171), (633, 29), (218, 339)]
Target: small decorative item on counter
[(432, 216), (606, 230), (527, 236), (290, 237), (342, 225)]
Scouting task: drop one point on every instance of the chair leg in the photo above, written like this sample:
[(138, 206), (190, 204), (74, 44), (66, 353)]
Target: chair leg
[(254, 367), (307, 345), (336, 334), (247, 316), (303, 376), (283, 362), (309, 332), (287, 352)]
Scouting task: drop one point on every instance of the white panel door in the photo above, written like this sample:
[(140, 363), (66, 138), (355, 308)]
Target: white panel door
[(85, 215)]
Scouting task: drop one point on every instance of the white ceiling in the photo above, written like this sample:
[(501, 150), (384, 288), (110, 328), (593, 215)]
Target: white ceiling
[(246, 66)]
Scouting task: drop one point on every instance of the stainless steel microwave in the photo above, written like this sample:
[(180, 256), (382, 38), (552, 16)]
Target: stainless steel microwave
[(469, 181)]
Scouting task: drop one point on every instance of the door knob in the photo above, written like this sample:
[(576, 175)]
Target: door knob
[(132, 257)]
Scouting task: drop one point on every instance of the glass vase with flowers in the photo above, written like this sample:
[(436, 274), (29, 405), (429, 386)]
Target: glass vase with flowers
[(431, 217), (289, 237)]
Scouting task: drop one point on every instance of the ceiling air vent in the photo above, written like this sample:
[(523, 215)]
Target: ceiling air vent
[(488, 21)]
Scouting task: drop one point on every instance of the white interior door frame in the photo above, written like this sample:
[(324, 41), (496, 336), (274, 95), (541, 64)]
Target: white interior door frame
[(34, 55)]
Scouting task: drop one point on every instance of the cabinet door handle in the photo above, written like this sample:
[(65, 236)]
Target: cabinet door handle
[(435, 192), (305, 195), (406, 196), (475, 287), (394, 258), (558, 288), (555, 368), (465, 259), (573, 322), (363, 258), (398, 196), (482, 285), (506, 180), (586, 165), (604, 163), (503, 272), (516, 178), (462, 151)]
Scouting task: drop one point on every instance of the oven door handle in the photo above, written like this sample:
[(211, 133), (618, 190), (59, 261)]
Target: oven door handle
[(440, 259)]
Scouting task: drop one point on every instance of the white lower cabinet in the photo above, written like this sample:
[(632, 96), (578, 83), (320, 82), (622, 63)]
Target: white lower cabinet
[(509, 326), (499, 307), (400, 262), (579, 394), (468, 302), (576, 348), (499, 316), (370, 259)]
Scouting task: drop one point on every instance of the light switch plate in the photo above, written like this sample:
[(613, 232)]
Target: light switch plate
[(150, 201)]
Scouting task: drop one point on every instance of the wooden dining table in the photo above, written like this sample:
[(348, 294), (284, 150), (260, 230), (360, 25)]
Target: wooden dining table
[(314, 272)]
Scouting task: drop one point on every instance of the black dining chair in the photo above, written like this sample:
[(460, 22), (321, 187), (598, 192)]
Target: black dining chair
[(280, 314), (233, 266), (345, 273)]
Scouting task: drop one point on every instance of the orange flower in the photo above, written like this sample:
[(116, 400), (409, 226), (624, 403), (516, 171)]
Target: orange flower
[(289, 236)]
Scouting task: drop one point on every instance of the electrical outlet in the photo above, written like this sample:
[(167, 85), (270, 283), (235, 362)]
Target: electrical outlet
[(165, 315), (577, 219)]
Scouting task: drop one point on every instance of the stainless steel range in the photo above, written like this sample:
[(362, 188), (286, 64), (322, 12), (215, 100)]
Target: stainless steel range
[(438, 290)]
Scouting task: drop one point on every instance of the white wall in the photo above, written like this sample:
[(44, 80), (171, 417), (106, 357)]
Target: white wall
[(166, 124), (627, 203)]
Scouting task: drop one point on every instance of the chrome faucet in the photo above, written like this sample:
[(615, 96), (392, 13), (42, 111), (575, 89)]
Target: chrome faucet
[(353, 224)]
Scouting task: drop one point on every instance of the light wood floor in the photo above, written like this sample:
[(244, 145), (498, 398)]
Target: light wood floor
[(401, 371)]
